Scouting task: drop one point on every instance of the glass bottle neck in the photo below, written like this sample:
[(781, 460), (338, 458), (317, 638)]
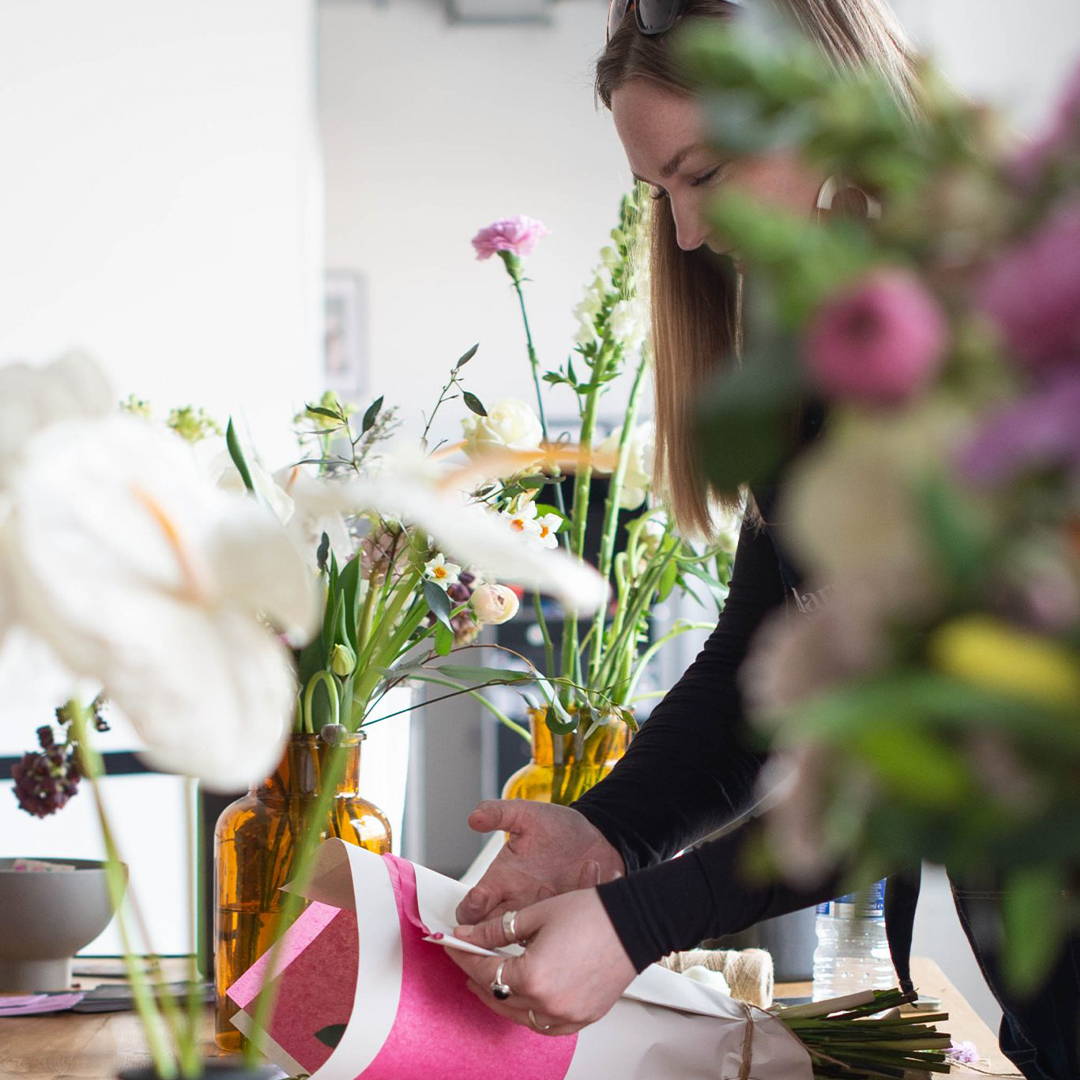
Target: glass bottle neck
[(304, 763), (603, 746)]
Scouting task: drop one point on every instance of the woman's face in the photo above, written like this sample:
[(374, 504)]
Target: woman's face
[(662, 134)]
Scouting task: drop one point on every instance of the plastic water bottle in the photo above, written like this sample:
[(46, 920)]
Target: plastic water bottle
[(852, 953)]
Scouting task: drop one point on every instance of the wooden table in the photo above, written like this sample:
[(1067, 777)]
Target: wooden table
[(94, 1046)]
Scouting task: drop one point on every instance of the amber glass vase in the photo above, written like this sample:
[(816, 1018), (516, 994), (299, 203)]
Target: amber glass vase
[(563, 767), (255, 843)]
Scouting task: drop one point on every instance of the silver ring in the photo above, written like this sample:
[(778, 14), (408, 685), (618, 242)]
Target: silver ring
[(536, 1023), (509, 925), (499, 989)]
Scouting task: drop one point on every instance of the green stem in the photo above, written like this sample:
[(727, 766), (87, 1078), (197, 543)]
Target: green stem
[(629, 616), (652, 650), (611, 508), (326, 680), (571, 659), (153, 1022), (534, 366), (545, 633)]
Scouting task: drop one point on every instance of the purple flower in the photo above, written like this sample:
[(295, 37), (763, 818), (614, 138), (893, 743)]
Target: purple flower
[(964, 1053), (45, 779), (518, 235), (1033, 293), (879, 341), (1041, 431)]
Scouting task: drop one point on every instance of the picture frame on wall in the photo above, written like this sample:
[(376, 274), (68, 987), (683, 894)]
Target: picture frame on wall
[(345, 334)]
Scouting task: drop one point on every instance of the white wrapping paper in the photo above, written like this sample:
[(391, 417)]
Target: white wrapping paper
[(407, 1014)]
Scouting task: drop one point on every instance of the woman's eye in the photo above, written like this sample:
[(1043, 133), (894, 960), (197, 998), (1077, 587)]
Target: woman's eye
[(705, 177)]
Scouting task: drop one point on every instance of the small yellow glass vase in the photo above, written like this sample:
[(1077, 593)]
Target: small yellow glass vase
[(564, 767), (255, 845)]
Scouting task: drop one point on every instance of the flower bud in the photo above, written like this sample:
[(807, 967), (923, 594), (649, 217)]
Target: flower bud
[(342, 660), (494, 604)]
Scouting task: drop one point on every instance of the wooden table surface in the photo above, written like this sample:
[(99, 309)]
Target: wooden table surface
[(94, 1046)]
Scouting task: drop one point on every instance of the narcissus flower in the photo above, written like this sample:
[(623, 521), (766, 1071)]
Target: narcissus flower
[(443, 573)]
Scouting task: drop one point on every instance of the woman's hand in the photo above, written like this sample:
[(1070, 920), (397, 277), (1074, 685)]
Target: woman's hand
[(550, 850), (573, 970)]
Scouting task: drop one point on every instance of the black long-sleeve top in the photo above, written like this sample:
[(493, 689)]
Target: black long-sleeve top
[(691, 770)]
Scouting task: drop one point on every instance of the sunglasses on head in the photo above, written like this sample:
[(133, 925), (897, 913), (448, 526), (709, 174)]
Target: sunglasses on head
[(652, 16)]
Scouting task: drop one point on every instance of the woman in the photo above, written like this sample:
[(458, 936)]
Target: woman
[(595, 889)]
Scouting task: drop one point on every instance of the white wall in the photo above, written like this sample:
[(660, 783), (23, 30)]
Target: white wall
[(433, 130), (1015, 56), (161, 209), (162, 196)]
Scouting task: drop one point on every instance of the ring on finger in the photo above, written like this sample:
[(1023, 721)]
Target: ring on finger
[(536, 1023), (499, 989), (509, 925)]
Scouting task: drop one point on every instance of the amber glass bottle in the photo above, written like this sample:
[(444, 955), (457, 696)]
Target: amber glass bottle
[(564, 767), (255, 844)]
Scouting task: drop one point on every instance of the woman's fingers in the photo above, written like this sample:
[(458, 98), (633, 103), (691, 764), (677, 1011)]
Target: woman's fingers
[(507, 928), (541, 1025)]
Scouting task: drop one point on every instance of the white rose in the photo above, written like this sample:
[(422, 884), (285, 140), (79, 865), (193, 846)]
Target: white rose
[(509, 425), (639, 461), (494, 604)]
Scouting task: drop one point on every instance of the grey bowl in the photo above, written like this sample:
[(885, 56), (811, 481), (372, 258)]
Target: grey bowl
[(47, 918)]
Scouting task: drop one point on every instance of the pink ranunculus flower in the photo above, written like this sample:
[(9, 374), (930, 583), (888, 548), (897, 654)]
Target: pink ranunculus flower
[(518, 235), (1032, 293), (879, 341)]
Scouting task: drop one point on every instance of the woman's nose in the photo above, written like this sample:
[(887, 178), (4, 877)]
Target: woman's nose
[(690, 230)]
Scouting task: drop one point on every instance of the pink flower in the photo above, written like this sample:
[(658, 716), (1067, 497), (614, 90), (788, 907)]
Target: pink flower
[(518, 235), (879, 341), (1033, 293)]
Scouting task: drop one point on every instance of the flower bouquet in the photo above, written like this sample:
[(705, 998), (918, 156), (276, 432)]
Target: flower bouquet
[(596, 667), (931, 705)]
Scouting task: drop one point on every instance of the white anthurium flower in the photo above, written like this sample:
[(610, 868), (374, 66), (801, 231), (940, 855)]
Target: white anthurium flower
[(33, 396), (475, 535), (307, 524), (509, 424), (140, 573), (637, 479), (443, 573), (223, 471)]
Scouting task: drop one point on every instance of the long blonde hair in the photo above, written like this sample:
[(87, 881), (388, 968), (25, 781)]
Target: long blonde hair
[(695, 294)]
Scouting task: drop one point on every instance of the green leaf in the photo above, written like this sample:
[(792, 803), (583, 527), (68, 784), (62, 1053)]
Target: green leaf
[(474, 403), (322, 552), (349, 587), (444, 639), (466, 357), (533, 482), (478, 674), (232, 442), (371, 415), (1033, 910), (439, 603), (667, 581), (320, 411), (331, 1034)]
